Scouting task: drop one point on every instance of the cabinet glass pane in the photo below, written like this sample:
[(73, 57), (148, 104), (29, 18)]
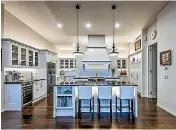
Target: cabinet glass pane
[(61, 63), (30, 58), (64, 90), (71, 63), (123, 63), (75, 63), (23, 56), (66, 63), (118, 63), (36, 58), (14, 55), (64, 101)]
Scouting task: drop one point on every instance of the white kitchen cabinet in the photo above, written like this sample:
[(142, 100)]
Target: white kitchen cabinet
[(136, 70), (48, 56), (39, 89), (16, 54), (36, 90), (43, 87), (67, 63), (122, 63)]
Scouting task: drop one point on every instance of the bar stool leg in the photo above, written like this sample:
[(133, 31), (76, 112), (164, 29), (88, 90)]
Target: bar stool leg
[(129, 107), (99, 108), (90, 109), (116, 107), (79, 108), (93, 106), (120, 109), (110, 109), (132, 111)]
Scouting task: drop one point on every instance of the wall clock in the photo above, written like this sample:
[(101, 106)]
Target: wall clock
[(153, 34)]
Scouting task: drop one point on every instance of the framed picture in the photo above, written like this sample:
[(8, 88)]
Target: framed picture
[(165, 57), (138, 45)]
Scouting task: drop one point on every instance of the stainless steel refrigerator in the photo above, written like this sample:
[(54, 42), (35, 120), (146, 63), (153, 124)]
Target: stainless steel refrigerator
[(51, 77)]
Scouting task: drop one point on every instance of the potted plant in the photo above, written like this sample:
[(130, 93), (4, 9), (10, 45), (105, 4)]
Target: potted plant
[(113, 71)]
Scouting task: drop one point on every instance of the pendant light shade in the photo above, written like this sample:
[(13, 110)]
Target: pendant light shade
[(113, 53), (77, 52)]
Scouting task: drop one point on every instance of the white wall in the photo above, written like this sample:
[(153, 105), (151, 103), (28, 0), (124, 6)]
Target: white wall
[(15, 29), (149, 31), (2, 71), (166, 28)]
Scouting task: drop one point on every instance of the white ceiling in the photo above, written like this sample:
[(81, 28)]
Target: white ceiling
[(43, 16)]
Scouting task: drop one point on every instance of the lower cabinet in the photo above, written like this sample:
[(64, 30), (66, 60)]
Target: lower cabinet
[(39, 89)]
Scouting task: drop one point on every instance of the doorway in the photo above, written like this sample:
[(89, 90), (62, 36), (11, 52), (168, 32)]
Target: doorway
[(152, 71)]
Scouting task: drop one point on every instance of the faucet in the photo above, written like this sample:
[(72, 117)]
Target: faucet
[(96, 77)]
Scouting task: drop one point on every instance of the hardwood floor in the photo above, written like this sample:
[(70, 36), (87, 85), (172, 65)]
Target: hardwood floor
[(39, 116)]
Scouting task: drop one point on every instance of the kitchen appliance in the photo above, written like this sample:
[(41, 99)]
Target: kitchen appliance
[(51, 77), (27, 93)]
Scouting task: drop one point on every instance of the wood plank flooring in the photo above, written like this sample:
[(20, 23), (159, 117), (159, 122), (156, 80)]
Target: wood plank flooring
[(39, 116)]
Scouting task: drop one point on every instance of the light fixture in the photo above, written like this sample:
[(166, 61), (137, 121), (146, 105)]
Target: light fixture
[(113, 53), (117, 25), (73, 44), (88, 25), (59, 25), (77, 52)]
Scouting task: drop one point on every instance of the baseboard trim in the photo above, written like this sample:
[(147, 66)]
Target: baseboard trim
[(39, 99), (2, 110), (166, 109), (144, 96)]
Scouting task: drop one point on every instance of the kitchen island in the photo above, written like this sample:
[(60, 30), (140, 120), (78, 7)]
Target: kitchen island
[(66, 96)]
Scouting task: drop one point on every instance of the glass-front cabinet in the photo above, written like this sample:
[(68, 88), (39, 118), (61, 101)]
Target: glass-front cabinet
[(15, 55), (30, 54), (23, 57), (36, 58), (122, 63), (67, 63)]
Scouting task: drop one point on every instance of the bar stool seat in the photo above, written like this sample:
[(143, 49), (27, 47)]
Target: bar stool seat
[(126, 93), (85, 93), (104, 93)]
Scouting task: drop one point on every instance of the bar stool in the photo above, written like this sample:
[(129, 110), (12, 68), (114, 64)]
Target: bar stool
[(104, 93), (85, 93), (126, 93)]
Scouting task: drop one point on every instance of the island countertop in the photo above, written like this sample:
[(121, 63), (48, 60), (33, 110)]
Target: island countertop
[(103, 83)]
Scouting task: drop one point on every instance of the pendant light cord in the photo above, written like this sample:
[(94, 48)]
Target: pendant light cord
[(77, 31), (113, 47), (113, 26)]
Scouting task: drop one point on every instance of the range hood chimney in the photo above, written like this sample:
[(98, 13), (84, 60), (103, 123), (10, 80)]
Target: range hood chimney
[(96, 53)]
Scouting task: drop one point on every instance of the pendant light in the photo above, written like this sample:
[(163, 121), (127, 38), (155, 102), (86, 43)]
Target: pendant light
[(113, 53), (77, 52)]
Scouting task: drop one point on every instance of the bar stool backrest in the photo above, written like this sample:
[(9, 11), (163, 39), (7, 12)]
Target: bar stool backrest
[(85, 92), (105, 92), (127, 92)]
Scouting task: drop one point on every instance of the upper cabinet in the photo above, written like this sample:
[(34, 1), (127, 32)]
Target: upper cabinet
[(67, 63), (23, 56), (122, 63), (16, 54), (48, 56)]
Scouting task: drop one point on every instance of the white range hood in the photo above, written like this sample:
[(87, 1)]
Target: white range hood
[(96, 54)]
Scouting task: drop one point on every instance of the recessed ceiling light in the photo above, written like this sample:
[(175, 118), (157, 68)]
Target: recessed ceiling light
[(88, 25), (117, 25), (59, 25)]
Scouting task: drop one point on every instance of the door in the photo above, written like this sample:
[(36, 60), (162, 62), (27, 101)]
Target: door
[(152, 71)]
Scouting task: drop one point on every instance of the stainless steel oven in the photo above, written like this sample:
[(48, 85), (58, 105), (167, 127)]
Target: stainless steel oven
[(27, 93)]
